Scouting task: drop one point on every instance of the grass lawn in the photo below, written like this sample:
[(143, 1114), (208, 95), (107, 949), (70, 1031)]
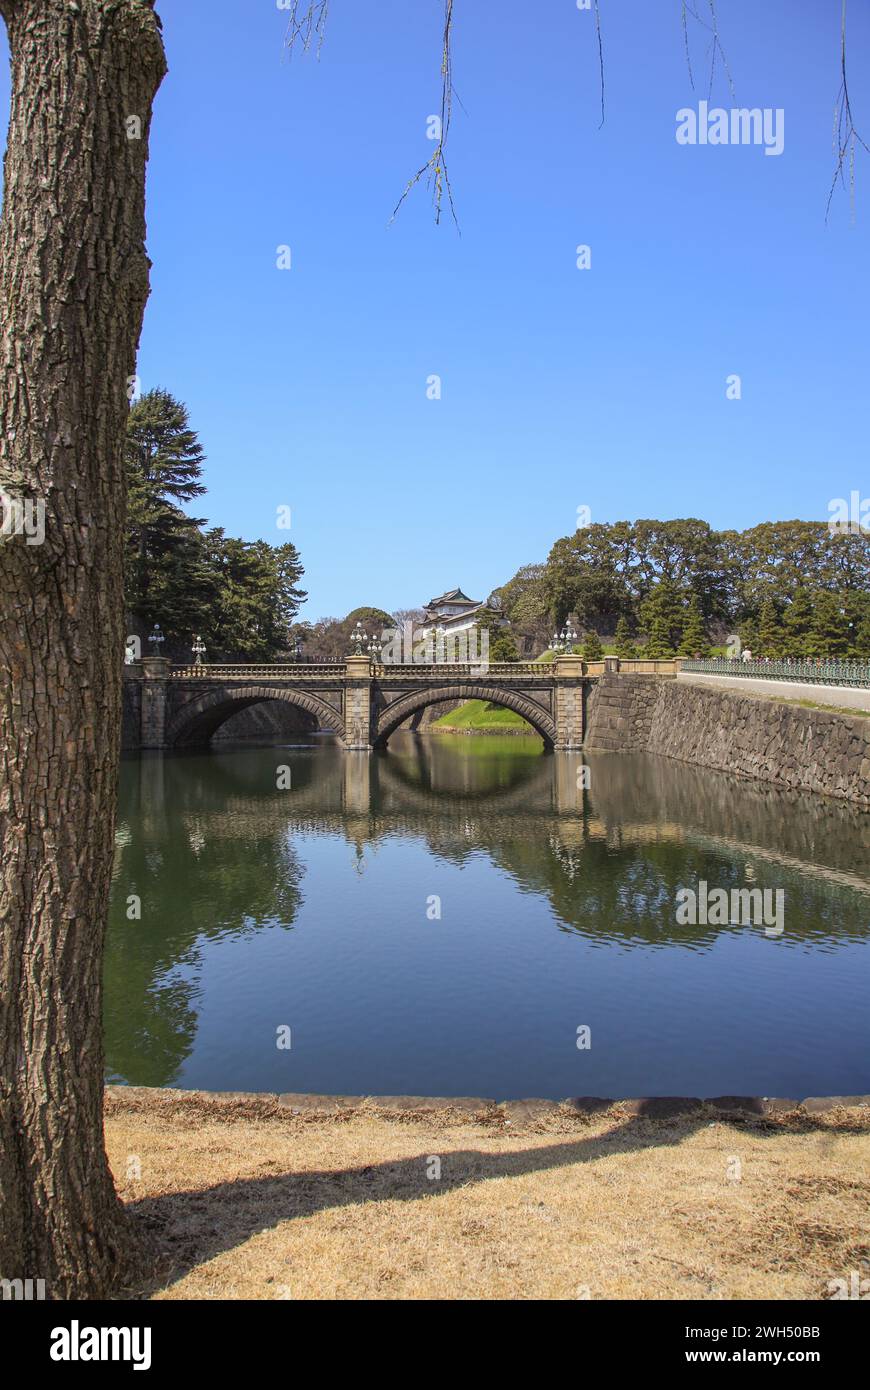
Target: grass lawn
[(480, 714), (262, 1203)]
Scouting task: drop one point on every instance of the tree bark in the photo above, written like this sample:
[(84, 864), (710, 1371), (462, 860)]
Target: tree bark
[(73, 286)]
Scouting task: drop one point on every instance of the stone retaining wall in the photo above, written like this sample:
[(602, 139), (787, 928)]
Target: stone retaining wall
[(259, 1103), (809, 750)]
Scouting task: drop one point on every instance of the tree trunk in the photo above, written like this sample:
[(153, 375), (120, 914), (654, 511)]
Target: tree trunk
[(73, 286)]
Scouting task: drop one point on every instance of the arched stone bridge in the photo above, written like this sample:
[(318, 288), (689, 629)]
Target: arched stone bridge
[(360, 701)]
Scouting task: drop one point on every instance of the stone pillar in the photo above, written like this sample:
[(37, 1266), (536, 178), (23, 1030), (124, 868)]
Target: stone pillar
[(155, 673), (569, 702), (358, 704), (611, 665)]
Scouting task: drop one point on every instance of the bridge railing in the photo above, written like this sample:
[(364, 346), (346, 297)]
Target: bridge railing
[(638, 666), (240, 672), (805, 672), (464, 668)]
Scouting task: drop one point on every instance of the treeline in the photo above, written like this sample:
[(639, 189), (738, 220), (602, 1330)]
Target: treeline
[(331, 639), (660, 588), (240, 597)]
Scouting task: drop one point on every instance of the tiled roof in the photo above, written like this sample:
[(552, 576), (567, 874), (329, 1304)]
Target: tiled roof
[(454, 596)]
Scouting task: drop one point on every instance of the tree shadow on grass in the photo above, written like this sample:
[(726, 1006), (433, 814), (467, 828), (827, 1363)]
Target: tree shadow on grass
[(192, 1227)]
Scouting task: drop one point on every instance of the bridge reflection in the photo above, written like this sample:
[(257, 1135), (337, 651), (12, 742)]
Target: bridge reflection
[(213, 848)]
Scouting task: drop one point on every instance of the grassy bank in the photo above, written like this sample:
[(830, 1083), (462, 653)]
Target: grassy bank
[(294, 1206), (479, 716)]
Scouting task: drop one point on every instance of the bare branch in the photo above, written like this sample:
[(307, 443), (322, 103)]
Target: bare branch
[(685, 21), (600, 59), (845, 135), (307, 25), (715, 50), (435, 169)]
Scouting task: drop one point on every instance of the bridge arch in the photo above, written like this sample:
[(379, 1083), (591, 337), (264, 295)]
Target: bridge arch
[(200, 717), (401, 709)]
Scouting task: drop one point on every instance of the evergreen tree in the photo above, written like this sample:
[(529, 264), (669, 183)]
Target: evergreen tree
[(624, 644), (694, 641), (860, 643), (658, 644), (771, 641), (503, 648), (163, 460), (796, 621), (829, 629), (592, 648), (255, 598), (663, 620), (858, 617)]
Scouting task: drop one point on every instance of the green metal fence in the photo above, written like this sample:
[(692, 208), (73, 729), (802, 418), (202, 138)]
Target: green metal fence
[(807, 671)]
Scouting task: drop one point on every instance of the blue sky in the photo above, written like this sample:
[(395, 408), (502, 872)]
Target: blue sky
[(560, 387)]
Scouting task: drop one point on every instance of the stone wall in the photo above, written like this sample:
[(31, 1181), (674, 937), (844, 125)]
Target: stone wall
[(809, 750), (273, 719), (620, 711), (131, 715)]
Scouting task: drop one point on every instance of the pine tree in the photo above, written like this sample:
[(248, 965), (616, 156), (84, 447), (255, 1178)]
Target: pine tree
[(592, 648), (163, 459), (829, 629), (771, 641), (662, 616), (796, 621), (623, 642), (858, 616), (695, 641), (663, 619), (860, 644), (503, 648)]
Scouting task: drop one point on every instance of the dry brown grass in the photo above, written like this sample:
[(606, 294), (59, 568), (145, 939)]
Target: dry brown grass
[(264, 1206)]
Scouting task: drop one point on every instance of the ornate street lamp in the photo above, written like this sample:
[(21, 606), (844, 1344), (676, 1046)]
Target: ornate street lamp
[(156, 639), (374, 649), (198, 650), (297, 649), (358, 637)]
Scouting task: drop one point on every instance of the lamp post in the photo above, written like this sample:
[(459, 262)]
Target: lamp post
[(198, 650), (156, 639), (358, 637)]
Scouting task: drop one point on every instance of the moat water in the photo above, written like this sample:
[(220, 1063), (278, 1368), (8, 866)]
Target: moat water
[(443, 917)]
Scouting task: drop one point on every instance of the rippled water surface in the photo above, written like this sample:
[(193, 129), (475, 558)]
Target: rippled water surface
[(314, 908)]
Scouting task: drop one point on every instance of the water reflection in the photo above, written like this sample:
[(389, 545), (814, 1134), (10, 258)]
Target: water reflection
[(223, 859)]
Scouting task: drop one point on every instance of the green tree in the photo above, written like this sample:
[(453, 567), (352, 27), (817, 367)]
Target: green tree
[(592, 647), (163, 460), (694, 640), (502, 647), (829, 629), (858, 616), (771, 640), (255, 597), (662, 617), (796, 620), (624, 643)]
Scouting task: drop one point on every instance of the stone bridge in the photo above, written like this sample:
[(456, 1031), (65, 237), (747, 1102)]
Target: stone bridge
[(359, 700)]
